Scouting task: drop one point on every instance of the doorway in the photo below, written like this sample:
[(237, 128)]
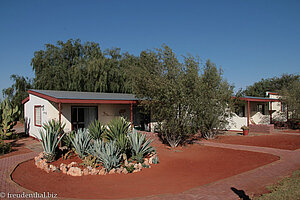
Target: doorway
[(82, 116)]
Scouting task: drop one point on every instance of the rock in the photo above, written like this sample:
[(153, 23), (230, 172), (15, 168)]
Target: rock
[(94, 171), (119, 170), (47, 169), (74, 171), (102, 171), (52, 168), (112, 171), (86, 171), (89, 168), (150, 160), (63, 168), (124, 171), (136, 170), (126, 162), (140, 166), (136, 166), (146, 161), (72, 164)]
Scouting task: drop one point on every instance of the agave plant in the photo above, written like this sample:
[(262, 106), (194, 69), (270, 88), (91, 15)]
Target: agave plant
[(54, 125), (50, 138), (108, 153), (140, 146), (81, 142), (117, 131), (96, 130)]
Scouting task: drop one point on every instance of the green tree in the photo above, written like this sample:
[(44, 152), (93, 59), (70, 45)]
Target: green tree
[(291, 97), (75, 66), (214, 103), (178, 97), (17, 92), (274, 84)]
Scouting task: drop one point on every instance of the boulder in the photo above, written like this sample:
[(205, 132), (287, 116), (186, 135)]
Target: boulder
[(72, 164), (102, 171), (124, 171), (146, 161), (74, 171), (86, 171), (112, 171), (94, 171)]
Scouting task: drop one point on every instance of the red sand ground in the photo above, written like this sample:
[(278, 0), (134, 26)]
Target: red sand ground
[(280, 141), (178, 171)]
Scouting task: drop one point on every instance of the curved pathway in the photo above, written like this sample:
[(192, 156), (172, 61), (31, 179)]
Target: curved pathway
[(247, 183), (242, 184)]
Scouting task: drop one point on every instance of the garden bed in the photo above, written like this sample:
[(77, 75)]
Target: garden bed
[(179, 170), (280, 141)]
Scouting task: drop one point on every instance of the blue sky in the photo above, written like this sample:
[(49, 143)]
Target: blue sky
[(249, 39)]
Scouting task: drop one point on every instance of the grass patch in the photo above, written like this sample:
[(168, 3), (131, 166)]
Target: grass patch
[(286, 189)]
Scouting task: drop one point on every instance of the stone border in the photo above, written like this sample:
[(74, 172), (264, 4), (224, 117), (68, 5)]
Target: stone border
[(72, 170)]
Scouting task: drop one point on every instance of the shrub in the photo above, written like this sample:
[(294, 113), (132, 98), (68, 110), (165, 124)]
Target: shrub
[(66, 141), (140, 146), (117, 131), (4, 147), (108, 153), (81, 142), (96, 130), (50, 138)]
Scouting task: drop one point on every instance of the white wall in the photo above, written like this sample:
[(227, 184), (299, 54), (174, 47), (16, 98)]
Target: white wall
[(48, 112), (236, 122)]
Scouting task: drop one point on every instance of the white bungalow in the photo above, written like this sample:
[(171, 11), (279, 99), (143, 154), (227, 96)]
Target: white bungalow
[(78, 109)]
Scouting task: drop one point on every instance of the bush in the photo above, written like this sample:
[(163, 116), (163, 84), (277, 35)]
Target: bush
[(81, 142), (108, 153), (50, 138), (117, 131), (96, 130), (140, 146), (4, 147)]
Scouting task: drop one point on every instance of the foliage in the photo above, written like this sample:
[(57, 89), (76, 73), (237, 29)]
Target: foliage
[(165, 84), (214, 102), (74, 66), (90, 161), (81, 142), (275, 84), (286, 189), (96, 130), (155, 160), (67, 141), (18, 92), (8, 117), (178, 97), (290, 96), (4, 147), (108, 154), (140, 146), (117, 131), (55, 126), (129, 168), (50, 138)]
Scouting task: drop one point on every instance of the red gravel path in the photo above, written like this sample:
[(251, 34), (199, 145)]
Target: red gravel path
[(192, 166), (280, 141)]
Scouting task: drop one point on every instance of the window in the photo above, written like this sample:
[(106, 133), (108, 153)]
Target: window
[(261, 108), (82, 116), (283, 107), (38, 115)]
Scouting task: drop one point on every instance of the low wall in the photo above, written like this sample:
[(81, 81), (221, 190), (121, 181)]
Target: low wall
[(261, 128)]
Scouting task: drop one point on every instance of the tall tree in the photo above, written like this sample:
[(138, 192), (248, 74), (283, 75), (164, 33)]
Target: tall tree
[(178, 97), (214, 104), (18, 91), (75, 66), (274, 84), (291, 97)]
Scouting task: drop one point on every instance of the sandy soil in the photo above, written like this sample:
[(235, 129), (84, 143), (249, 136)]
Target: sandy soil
[(179, 170), (280, 141)]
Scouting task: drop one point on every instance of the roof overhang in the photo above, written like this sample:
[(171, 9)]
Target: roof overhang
[(25, 100), (80, 101), (259, 99)]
